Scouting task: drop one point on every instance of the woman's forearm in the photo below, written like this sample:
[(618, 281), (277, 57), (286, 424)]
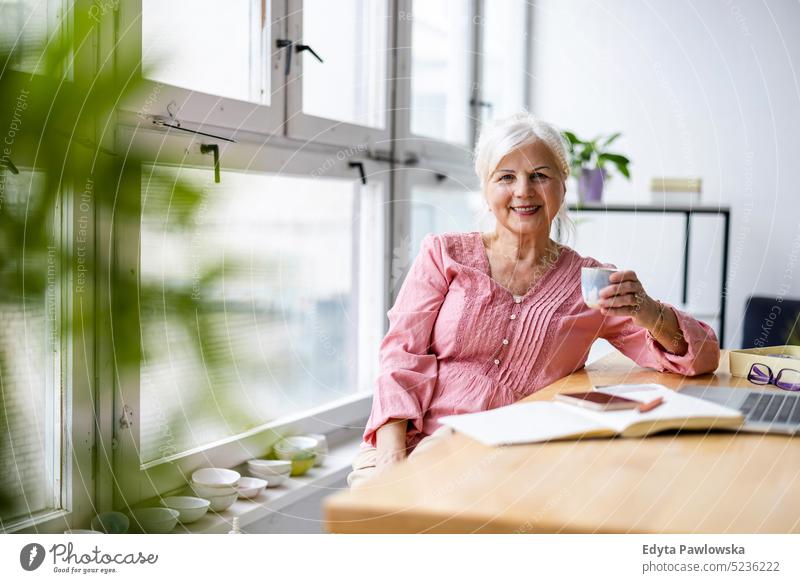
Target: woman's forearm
[(390, 441), (667, 331)]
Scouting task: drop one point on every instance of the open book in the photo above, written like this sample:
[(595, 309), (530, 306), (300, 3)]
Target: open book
[(551, 420)]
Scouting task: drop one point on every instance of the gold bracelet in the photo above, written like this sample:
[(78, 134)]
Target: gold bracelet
[(660, 317)]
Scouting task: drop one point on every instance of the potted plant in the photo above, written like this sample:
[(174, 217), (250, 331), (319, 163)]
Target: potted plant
[(589, 160)]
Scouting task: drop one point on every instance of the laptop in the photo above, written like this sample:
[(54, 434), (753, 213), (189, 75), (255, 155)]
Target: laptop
[(764, 410)]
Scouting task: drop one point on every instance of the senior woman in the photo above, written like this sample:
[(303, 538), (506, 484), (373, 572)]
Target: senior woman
[(485, 319)]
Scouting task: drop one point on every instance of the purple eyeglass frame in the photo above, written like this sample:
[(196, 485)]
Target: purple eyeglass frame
[(759, 378)]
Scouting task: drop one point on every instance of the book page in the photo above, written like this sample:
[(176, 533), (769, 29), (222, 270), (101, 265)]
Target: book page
[(525, 423), (675, 407)]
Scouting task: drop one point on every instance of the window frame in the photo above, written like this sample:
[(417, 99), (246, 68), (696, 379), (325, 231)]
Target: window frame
[(100, 453), (307, 127), (404, 180), (342, 415), (73, 369), (422, 147), (195, 109)]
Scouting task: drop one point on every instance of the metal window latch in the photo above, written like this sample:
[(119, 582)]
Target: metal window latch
[(360, 166), (299, 48), (126, 419), (484, 104), (172, 122), (283, 43), (213, 149), (6, 161), (385, 156)]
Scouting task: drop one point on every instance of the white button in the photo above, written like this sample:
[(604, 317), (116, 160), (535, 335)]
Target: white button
[(517, 300), (505, 340), (513, 316), (497, 361)]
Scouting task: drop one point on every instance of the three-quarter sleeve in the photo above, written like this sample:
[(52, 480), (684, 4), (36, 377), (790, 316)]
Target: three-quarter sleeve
[(408, 368), (702, 355)]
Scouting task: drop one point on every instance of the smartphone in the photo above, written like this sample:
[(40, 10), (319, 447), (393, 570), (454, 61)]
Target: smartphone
[(598, 401)]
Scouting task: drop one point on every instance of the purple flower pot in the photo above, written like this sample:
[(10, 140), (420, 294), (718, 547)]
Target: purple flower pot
[(590, 184)]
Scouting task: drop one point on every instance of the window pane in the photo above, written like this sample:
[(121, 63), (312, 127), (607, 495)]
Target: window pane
[(351, 37), (440, 70), (208, 46), (281, 270), (29, 438), (503, 58), (25, 26), (441, 211)]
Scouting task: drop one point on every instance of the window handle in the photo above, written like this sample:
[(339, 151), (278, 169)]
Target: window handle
[(283, 43), (214, 149), (6, 161), (299, 48), (484, 104), (360, 166)]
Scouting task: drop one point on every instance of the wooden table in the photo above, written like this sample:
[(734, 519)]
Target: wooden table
[(669, 483)]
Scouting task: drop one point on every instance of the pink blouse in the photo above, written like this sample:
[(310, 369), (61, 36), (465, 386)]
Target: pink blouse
[(459, 342)]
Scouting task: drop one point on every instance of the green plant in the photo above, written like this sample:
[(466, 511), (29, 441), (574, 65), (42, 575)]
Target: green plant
[(588, 154), (55, 127)]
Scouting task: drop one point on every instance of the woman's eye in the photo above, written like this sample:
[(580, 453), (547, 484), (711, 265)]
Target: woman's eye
[(539, 176), (507, 177)]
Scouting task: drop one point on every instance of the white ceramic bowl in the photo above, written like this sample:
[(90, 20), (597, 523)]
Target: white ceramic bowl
[(189, 507), (220, 503), (251, 487), (209, 492), (215, 477), (321, 449), (290, 447), (273, 480), (155, 520), (270, 467)]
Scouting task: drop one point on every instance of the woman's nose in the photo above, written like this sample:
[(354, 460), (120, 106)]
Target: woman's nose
[(523, 188)]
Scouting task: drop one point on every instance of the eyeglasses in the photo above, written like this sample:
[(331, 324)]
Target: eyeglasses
[(787, 379)]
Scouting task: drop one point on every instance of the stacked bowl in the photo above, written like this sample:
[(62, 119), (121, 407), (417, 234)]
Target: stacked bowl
[(300, 450), (189, 508), (217, 485), (275, 472)]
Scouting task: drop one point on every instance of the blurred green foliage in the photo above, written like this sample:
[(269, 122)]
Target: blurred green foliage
[(60, 122)]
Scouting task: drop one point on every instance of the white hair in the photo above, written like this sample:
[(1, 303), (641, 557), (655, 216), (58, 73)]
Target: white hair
[(500, 137)]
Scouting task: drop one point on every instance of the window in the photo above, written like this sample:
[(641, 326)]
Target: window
[(204, 67), (350, 85), (339, 83), (504, 75), (30, 440), (26, 26), (198, 45), (263, 296), (288, 294), (441, 70)]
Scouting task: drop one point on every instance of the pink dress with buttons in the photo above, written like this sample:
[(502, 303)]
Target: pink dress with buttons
[(459, 342)]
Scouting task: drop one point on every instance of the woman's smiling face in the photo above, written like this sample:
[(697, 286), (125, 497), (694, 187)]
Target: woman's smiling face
[(526, 190)]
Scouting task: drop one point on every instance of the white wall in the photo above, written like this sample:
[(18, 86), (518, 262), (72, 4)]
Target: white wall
[(705, 89)]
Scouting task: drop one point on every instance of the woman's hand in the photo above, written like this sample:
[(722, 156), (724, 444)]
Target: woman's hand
[(626, 297), (390, 443)]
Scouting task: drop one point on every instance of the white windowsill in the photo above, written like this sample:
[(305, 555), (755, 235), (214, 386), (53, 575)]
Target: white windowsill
[(335, 467)]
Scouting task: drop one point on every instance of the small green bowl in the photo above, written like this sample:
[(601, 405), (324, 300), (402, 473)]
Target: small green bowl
[(303, 462)]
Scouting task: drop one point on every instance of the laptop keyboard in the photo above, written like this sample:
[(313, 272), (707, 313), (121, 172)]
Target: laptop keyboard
[(772, 408)]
